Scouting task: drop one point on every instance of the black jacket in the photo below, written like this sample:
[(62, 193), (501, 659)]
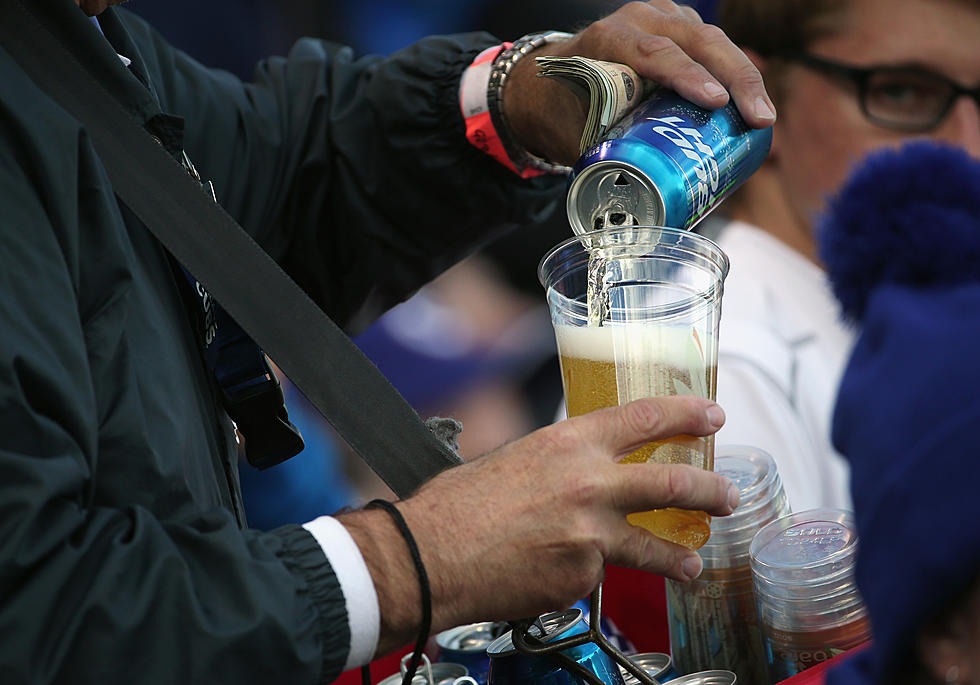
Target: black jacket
[(124, 555)]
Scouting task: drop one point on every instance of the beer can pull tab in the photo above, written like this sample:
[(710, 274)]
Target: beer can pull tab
[(613, 194), (623, 195)]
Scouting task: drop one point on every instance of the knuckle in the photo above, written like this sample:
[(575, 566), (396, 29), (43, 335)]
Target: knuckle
[(691, 13), (659, 556), (711, 36), (557, 439), (747, 75), (583, 532), (693, 71), (678, 484), (586, 490), (657, 46), (655, 554), (598, 33), (644, 416), (722, 488), (672, 560), (637, 6), (660, 6)]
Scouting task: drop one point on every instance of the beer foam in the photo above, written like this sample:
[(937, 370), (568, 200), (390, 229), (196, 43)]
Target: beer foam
[(677, 346)]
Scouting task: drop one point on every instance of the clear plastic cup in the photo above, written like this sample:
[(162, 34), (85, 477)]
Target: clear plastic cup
[(803, 578), (713, 619), (636, 311)]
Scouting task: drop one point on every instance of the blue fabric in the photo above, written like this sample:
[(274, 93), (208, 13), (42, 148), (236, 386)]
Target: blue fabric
[(426, 375), (906, 216), (311, 484), (902, 245), (383, 26)]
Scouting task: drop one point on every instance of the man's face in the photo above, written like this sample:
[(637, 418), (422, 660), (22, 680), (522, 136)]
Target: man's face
[(822, 132), (93, 7)]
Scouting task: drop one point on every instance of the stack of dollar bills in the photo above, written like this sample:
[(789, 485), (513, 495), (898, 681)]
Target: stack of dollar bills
[(610, 90)]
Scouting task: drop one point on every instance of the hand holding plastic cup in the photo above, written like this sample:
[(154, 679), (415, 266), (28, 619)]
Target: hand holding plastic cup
[(636, 312)]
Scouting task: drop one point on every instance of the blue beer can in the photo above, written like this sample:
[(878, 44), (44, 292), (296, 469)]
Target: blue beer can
[(606, 626), (666, 163), (467, 645), (510, 667)]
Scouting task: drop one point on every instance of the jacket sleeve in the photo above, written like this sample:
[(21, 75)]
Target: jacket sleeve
[(354, 173), (95, 586)]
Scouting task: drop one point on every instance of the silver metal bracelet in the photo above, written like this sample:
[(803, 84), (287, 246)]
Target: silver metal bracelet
[(499, 72)]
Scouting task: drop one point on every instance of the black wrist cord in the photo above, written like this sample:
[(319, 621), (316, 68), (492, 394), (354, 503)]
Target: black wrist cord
[(413, 548)]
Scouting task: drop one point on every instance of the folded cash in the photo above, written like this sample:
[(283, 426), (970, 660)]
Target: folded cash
[(610, 90)]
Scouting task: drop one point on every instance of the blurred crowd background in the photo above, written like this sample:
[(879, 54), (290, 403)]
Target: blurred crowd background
[(476, 344)]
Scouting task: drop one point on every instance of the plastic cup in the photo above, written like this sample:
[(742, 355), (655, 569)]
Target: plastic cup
[(713, 619), (803, 578), (636, 311)]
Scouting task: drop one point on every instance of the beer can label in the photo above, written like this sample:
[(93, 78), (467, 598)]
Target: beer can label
[(791, 652), (667, 163)]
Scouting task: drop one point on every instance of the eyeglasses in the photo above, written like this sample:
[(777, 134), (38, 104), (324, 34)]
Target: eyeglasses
[(902, 98)]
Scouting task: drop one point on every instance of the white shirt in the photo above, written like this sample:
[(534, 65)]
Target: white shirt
[(782, 347)]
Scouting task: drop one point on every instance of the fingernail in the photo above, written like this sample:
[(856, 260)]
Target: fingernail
[(763, 110), (716, 416), (691, 566), (733, 496), (713, 89)]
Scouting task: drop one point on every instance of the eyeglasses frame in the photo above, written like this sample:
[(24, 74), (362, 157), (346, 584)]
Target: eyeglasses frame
[(860, 76)]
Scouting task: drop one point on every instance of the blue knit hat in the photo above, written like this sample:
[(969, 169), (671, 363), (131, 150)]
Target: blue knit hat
[(902, 246)]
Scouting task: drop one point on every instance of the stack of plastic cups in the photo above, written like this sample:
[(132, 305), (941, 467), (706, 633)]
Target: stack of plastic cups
[(803, 577), (713, 619)]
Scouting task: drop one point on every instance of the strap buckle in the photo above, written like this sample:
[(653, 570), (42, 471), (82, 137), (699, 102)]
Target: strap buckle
[(258, 408)]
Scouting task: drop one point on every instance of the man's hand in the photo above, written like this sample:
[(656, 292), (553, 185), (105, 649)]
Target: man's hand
[(662, 41), (529, 527)]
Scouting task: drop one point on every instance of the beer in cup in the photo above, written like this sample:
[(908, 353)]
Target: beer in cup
[(636, 311)]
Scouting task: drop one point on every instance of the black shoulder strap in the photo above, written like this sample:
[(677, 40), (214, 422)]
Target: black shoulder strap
[(347, 389)]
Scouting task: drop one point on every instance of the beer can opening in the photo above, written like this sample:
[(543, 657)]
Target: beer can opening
[(611, 194)]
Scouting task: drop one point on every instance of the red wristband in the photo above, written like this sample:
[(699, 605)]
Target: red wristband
[(480, 130)]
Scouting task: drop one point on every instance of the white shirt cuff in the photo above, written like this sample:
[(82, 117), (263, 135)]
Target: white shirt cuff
[(363, 614)]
